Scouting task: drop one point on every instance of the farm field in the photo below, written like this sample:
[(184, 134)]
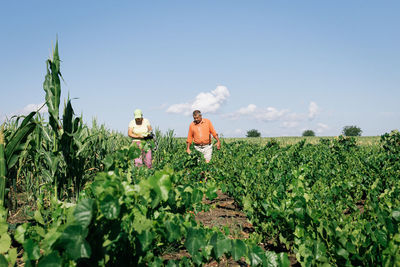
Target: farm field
[(72, 196), (289, 140)]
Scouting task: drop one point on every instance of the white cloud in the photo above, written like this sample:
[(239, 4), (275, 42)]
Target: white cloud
[(208, 102), (312, 110), (239, 131), (33, 107), (295, 116), (322, 128), (25, 111), (263, 114), (184, 108), (289, 120), (270, 114), (247, 110), (290, 124)]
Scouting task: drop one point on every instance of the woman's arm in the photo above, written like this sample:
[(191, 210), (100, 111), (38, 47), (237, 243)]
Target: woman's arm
[(131, 134)]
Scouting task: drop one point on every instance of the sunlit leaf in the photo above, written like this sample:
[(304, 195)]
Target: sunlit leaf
[(51, 260), (83, 212)]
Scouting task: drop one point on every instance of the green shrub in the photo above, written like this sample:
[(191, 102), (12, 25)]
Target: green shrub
[(308, 133), (253, 133), (352, 131)]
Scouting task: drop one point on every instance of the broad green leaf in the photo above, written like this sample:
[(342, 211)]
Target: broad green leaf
[(74, 243), (173, 231), (146, 238), (350, 247), (271, 258), (108, 162), (3, 227), (381, 237), (38, 217), (172, 263), (109, 206), (320, 251), (134, 152), (211, 193), (256, 256), (39, 230), (283, 259), (50, 238), (156, 262), (165, 186), (5, 243), (79, 250), (396, 215), (299, 211), (51, 260), (342, 252), (247, 204), (83, 212), (222, 246), (140, 222), (197, 259), (20, 233), (194, 241), (238, 249), (32, 249), (3, 261), (161, 184), (197, 196), (12, 256)]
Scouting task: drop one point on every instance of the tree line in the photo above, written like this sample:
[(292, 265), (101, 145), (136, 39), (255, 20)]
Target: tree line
[(351, 130)]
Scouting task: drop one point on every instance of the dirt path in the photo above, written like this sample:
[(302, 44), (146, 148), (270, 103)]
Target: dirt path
[(224, 213)]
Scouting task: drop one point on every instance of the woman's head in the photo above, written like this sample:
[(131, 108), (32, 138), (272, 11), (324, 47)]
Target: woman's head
[(138, 116)]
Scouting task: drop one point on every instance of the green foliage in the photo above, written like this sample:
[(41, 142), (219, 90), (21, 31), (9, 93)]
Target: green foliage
[(308, 133), (3, 170), (331, 203), (12, 145), (327, 202), (351, 131), (253, 133)]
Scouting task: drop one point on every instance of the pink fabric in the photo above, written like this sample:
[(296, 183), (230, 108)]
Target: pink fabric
[(147, 158)]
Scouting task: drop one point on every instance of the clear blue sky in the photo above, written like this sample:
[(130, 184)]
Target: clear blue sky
[(277, 66)]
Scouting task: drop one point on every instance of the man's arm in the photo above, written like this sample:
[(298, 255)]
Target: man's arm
[(218, 142), (189, 139), (214, 133)]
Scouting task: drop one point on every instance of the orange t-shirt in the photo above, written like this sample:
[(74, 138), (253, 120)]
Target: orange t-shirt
[(201, 133)]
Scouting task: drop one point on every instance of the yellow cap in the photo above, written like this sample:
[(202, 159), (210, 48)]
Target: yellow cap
[(138, 114)]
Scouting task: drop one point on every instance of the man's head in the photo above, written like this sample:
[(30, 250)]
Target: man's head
[(197, 116), (138, 116)]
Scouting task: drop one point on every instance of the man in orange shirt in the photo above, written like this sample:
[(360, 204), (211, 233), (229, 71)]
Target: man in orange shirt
[(200, 131)]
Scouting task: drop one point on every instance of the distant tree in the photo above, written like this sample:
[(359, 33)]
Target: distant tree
[(253, 133), (351, 131), (308, 133)]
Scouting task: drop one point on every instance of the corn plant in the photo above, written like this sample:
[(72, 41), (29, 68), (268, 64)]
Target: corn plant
[(165, 144), (2, 167), (65, 133), (12, 145)]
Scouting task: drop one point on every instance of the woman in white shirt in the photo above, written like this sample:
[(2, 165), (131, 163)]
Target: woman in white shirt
[(139, 129)]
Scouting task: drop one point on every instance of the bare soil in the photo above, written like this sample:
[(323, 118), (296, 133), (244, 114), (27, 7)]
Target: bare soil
[(225, 213)]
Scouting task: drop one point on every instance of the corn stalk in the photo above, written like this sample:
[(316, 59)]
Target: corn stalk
[(11, 149), (66, 134), (3, 170)]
